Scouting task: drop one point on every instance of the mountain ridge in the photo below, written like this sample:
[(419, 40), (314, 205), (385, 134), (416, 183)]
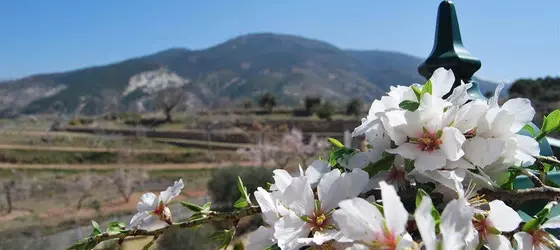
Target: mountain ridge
[(243, 67)]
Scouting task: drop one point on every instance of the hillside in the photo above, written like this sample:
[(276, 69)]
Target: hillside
[(244, 67)]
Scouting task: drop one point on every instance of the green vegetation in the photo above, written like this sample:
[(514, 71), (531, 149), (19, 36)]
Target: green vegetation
[(544, 94), (326, 111), (267, 101), (219, 187), (354, 107)]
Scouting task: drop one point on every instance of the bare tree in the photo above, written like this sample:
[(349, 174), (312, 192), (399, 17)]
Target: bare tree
[(171, 99), (84, 184), (82, 103), (15, 185), (110, 102)]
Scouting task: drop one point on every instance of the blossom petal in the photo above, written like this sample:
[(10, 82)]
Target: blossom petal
[(288, 230), (523, 240), (358, 160), (171, 192), (553, 222), (459, 96), (267, 205), (316, 170), (351, 185), (329, 190), (357, 219), (299, 196), (452, 140), (260, 239), (503, 218), (430, 160), (456, 224), (426, 223), (498, 242), (137, 219), (493, 101), (151, 223), (148, 202), (482, 152), (442, 81), (522, 110), (396, 216), (282, 179), (406, 150)]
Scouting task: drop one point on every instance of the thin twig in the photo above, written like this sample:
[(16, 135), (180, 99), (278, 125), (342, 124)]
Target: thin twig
[(211, 216), (538, 182), (548, 159)]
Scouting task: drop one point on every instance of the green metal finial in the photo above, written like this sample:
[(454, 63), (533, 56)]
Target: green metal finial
[(449, 52)]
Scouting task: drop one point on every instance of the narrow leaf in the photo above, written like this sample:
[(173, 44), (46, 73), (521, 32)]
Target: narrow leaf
[(96, 229), (530, 129), (336, 143), (427, 88), (384, 164), (191, 206), (417, 92), (241, 203)]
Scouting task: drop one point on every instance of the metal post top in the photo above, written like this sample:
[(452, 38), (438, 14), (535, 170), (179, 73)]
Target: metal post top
[(448, 50)]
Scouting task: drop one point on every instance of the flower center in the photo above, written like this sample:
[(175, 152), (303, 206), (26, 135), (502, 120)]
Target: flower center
[(428, 141), (319, 221), (481, 226), (159, 210)]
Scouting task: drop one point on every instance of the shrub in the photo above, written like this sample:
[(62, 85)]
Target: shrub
[(326, 111), (247, 104), (311, 104), (354, 107), (222, 181), (267, 101)]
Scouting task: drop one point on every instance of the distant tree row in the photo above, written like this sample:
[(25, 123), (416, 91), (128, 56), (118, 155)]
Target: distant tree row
[(324, 109)]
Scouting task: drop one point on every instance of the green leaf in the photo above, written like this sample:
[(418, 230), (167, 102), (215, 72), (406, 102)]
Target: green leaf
[(96, 229), (378, 206), (408, 165), (538, 219), (206, 206), (339, 153), (420, 195), (241, 203), (240, 186), (336, 143), (409, 105), (115, 227), (426, 89), (417, 92), (84, 245), (530, 129), (273, 247), (552, 121), (511, 177), (191, 206), (224, 236), (384, 164)]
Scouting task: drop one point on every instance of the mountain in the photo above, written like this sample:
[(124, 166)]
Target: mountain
[(244, 67)]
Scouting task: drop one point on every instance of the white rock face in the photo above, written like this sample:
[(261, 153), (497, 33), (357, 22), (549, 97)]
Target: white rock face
[(153, 81)]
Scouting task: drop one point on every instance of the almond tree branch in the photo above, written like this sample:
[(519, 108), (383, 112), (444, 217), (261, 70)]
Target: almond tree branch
[(514, 198), (211, 216)]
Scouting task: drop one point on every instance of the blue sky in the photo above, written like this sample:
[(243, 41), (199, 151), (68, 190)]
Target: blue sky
[(513, 38)]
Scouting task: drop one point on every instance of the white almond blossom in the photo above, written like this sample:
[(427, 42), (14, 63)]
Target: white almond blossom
[(362, 222), (501, 218), (430, 142), (539, 239), (309, 215), (152, 212)]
